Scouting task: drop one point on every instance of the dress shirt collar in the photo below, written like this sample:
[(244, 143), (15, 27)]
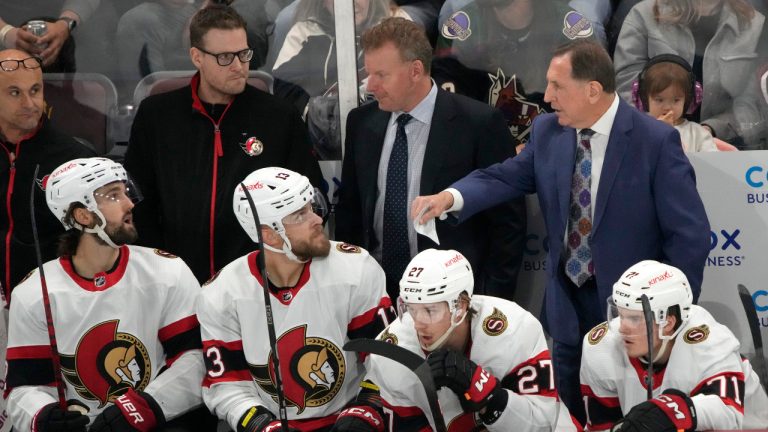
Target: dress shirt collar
[(421, 112), (603, 125)]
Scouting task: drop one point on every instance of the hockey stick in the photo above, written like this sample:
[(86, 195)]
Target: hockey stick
[(46, 301), (283, 412), (754, 329), (412, 361), (648, 315)]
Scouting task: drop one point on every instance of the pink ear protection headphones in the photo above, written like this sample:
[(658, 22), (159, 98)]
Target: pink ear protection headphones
[(639, 97)]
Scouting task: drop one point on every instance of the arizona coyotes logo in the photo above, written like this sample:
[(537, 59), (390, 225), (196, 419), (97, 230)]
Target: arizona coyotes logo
[(107, 363), (252, 146), (312, 370), (597, 333), (505, 95), (696, 334), (495, 323)]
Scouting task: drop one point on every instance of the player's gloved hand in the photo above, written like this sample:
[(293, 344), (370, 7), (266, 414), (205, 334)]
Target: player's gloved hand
[(671, 411), (51, 418), (133, 411), (259, 419), (359, 418), (475, 387)]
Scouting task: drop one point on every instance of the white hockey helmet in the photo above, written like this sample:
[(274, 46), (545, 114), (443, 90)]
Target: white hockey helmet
[(77, 181), (665, 286), (437, 275), (276, 193)]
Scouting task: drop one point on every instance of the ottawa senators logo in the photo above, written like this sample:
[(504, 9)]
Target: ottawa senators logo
[(696, 334), (164, 254), (106, 364), (347, 248), (388, 337), (252, 146), (312, 370), (495, 323), (597, 333)]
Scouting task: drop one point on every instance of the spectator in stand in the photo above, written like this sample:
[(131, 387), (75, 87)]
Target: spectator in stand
[(717, 37), (190, 147), (27, 139), (497, 52), (668, 91)]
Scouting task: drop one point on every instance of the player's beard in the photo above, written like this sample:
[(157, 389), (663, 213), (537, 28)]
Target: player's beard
[(316, 246), (120, 235)]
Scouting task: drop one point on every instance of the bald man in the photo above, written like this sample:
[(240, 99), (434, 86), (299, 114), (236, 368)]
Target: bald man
[(27, 139)]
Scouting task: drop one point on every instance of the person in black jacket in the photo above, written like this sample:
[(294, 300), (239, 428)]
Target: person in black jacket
[(190, 147), (27, 139)]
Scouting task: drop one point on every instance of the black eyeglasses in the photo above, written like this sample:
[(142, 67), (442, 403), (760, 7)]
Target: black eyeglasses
[(226, 58), (11, 65)]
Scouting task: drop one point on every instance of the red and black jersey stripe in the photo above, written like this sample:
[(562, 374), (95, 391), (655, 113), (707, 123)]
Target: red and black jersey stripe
[(602, 412), (370, 323), (28, 366), (728, 386), (179, 337), (224, 361), (534, 376)]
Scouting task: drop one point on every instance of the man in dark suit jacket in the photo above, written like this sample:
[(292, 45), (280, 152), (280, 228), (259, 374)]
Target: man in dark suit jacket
[(451, 134), (646, 206)]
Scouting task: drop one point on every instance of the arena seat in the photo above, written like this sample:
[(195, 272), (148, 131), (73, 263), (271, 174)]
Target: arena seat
[(82, 105)]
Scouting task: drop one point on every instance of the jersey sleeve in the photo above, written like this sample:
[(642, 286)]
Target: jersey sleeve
[(228, 388), (719, 399), (370, 308), (177, 388), (533, 403), (29, 370), (600, 397), (403, 403)]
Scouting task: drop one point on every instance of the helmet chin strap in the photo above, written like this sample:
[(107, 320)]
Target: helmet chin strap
[(441, 340), (99, 230), (286, 250)]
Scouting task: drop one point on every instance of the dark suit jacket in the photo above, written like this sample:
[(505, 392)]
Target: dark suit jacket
[(465, 135), (647, 205)]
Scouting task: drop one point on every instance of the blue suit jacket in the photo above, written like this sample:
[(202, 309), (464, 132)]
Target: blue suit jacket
[(647, 204)]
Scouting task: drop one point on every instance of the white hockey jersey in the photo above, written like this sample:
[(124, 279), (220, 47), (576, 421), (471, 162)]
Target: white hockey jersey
[(113, 332), (508, 342), (338, 298), (705, 364)]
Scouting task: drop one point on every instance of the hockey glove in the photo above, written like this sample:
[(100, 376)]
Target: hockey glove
[(671, 411), (51, 418), (259, 419), (359, 418), (474, 386), (133, 411)]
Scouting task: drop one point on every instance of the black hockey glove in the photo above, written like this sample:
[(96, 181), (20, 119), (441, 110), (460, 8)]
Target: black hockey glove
[(671, 411), (475, 387), (133, 411), (359, 418), (259, 419), (51, 418)]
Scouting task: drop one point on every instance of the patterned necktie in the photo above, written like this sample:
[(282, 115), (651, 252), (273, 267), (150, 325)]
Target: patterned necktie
[(578, 263), (396, 250)]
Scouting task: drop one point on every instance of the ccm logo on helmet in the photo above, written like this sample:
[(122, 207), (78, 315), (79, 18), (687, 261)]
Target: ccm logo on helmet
[(659, 278)]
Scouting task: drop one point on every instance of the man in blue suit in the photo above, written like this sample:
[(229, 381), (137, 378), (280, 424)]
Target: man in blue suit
[(645, 203)]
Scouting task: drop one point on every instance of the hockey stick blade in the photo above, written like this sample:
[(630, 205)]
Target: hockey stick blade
[(412, 361), (754, 329)]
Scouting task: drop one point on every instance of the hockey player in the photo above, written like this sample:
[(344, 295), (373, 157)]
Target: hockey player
[(323, 294), (488, 353), (700, 382), (122, 314)]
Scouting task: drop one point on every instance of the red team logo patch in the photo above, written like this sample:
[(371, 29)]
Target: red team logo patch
[(495, 323), (347, 248), (696, 334), (252, 146), (597, 333)]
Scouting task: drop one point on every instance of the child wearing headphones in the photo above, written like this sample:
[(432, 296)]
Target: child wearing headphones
[(667, 90)]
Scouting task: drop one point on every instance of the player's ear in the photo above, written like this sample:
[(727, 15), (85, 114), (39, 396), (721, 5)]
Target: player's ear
[(83, 216), (669, 327), (270, 236)]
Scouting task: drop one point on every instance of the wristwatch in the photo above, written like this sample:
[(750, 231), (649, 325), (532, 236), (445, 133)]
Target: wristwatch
[(71, 23)]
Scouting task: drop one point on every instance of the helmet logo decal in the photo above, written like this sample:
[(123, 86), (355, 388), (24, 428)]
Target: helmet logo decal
[(696, 334), (659, 278), (313, 370), (597, 333), (495, 323), (252, 146), (42, 183), (107, 363)]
